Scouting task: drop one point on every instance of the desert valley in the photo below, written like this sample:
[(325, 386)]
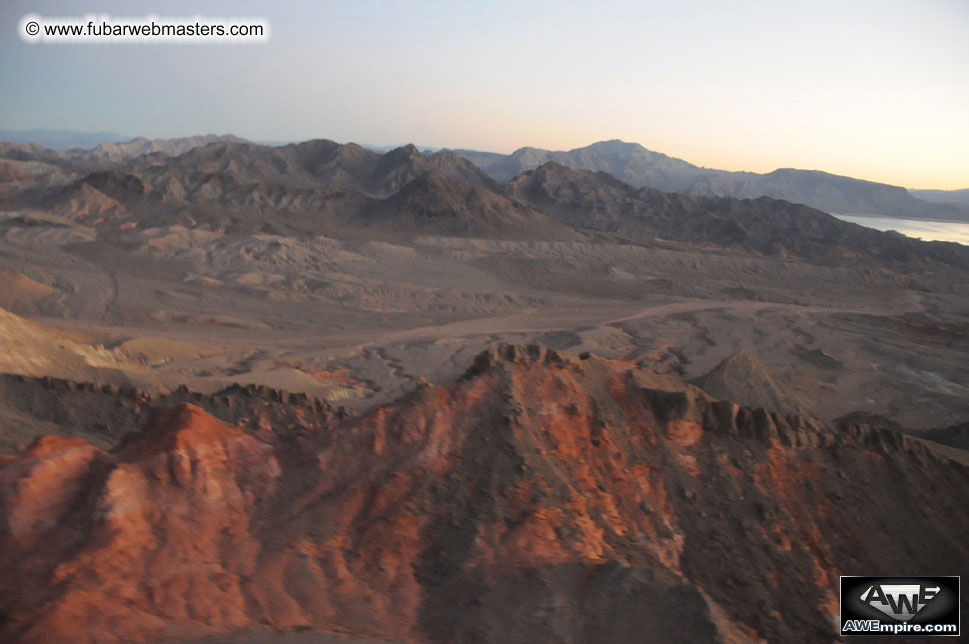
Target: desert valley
[(315, 392)]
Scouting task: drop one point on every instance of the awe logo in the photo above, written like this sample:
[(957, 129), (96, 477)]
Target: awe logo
[(901, 601), (899, 606)]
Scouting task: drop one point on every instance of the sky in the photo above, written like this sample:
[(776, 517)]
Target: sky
[(876, 90)]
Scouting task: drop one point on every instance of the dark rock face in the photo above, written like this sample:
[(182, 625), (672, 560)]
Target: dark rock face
[(104, 414), (544, 497)]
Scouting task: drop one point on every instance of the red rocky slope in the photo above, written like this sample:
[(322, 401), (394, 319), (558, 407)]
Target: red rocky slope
[(542, 498)]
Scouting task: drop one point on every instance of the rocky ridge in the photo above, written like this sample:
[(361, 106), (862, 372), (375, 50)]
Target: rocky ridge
[(544, 495)]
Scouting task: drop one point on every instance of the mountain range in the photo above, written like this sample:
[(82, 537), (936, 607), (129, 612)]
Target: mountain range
[(944, 196), (62, 139), (325, 187), (629, 162), (318, 393), (637, 166)]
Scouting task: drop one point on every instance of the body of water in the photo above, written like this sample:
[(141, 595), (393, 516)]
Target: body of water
[(919, 228)]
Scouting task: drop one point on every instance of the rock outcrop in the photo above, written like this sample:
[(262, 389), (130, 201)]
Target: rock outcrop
[(543, 497)]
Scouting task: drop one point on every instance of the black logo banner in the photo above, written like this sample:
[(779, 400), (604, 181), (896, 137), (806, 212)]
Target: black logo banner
[(908, 606)]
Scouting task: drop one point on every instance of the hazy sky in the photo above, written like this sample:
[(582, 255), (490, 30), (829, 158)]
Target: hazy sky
[(876, 90)]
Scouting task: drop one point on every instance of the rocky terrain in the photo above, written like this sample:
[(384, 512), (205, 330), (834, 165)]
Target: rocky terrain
[(236, 403), (104, 414), (345, 274), (545, 496)]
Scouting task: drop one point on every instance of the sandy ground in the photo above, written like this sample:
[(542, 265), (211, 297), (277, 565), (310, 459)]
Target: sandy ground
[(360, 322)]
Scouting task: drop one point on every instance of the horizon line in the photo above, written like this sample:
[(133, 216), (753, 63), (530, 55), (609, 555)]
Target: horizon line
[(125, 138)]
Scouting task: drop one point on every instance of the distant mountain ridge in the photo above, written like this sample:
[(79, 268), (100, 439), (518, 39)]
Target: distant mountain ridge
[(960, 197), (598, 201), (629, 162), (323, 187), (61, 139), (97, 149), (643, 168), (313, 187), (139, 146)]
